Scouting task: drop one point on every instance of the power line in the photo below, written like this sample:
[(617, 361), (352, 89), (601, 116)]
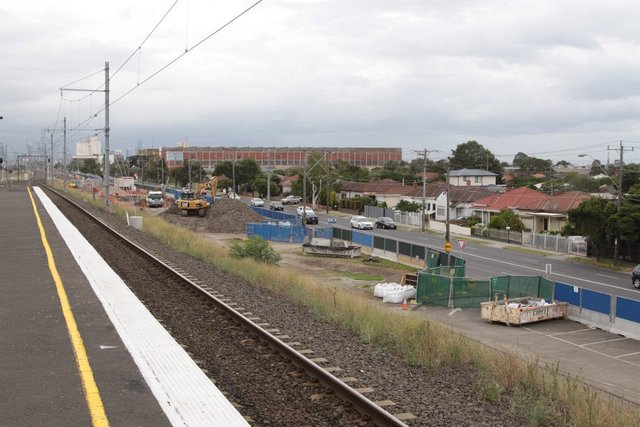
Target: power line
[(143, 41), (187, 51)]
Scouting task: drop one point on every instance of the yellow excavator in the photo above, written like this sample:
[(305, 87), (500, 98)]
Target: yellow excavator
[(194, 202)]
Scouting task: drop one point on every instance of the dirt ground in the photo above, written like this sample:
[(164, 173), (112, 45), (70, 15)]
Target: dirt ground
[(226, 221), (351, 274)]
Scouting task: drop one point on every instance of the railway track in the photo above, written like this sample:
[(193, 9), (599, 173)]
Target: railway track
[(272, 379)]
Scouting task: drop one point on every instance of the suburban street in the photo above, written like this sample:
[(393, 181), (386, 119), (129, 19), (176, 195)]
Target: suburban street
[(486, 258)]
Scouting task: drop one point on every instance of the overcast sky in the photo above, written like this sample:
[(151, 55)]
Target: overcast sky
[(548, 78)]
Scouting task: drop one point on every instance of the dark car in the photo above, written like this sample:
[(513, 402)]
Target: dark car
[(386, 222), (312, 219), (276, 206), (635, 276)]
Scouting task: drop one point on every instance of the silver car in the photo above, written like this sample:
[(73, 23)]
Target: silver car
[(361, 223)]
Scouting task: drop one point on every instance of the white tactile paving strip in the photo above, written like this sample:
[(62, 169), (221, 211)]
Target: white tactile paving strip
[(185, 393)]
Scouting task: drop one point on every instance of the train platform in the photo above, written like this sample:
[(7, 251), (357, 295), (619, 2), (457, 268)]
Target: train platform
[(76, 346)]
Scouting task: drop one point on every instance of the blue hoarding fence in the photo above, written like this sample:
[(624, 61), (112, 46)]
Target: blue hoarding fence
[(277, 231)]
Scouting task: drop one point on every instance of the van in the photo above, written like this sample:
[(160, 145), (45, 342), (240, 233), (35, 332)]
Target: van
[(155, 199)]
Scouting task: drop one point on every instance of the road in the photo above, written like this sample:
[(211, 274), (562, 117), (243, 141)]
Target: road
[(485, 258)]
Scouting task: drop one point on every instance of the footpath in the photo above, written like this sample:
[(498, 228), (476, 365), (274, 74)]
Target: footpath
[(605, 360)]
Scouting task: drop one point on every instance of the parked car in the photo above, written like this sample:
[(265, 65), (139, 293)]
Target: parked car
[(233, 196), (308, 210), (291, 200), (361, 223), (311, 219), (276, 206), (257, 202), (635, 277), (155, 199), (386, 222)]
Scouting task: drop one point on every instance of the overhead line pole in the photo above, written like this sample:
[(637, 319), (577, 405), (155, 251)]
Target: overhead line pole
[(616, 247), (106, 134), (424, 153)]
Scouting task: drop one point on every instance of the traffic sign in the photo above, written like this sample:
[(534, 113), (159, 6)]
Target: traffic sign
[(448, 247), (462, 242)]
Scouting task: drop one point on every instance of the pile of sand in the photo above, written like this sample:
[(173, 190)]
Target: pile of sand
[(224, 216)]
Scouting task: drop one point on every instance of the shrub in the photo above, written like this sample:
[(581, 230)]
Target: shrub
[(255, 248)]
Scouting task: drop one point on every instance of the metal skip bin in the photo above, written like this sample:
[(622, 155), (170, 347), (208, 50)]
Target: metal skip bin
[(519, 311)]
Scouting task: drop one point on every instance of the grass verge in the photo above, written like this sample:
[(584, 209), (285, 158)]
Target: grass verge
[(608, 264), (541, 395), (524, 250)]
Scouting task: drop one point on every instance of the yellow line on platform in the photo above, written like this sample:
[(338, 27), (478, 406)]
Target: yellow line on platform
[(92, 394)]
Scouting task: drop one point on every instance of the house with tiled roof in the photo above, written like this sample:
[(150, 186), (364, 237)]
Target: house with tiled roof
[(538, 211), (434, 196)]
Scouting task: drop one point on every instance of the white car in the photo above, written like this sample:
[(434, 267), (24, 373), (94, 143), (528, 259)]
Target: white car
[(309, 211), (361, 223), (258, 202)]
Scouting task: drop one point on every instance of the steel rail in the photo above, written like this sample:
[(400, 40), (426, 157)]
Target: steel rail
[(362, 404)]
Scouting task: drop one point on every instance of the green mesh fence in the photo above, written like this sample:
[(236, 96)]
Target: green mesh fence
[(468, 292), (441, 286), (433, 289), (521, 286)]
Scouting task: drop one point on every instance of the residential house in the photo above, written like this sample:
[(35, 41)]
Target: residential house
[(386, 191), (538, 211), (472, 178), (461, 200), (433, 195)]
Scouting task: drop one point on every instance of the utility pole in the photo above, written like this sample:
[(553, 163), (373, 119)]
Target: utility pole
[(106, 134), (64, 155), (52, 160), (621, 150), (304, 193), (424, 153), (233, 171), (269, 177)]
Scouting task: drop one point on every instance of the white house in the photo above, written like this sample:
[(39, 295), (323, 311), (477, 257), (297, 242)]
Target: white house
[(472, 178)]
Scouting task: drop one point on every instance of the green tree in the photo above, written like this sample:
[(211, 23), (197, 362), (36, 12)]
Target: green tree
[(407, 206), (350, 172), (533, 164), (628, 219), (260, 185), (224, 168), (247, 170), (472, 155), (190, 172), (519, 159), (506, 218), (91, 166), (397, 171), (592, 220), (155, 170)]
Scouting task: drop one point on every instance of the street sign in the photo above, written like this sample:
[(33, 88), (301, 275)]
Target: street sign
[(448, 247), (462, 243)]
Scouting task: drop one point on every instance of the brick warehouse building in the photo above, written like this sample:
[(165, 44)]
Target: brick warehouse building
[(277, 157)]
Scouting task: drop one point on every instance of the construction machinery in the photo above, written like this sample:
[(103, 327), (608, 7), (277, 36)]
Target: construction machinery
[(194, 202), (209, 187)]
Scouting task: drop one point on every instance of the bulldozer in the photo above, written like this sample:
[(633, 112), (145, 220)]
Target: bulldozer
[(193, 202)]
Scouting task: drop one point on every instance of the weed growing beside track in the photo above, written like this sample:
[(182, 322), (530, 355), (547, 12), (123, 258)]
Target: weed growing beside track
[(539, 394)]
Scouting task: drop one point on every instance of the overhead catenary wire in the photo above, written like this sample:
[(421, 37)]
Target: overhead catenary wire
[(187, 50), (136, 50)]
